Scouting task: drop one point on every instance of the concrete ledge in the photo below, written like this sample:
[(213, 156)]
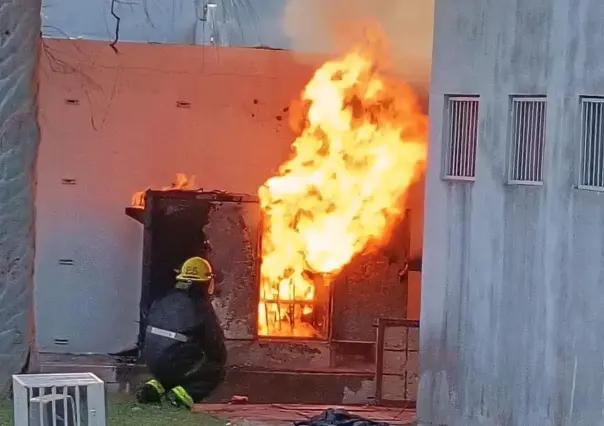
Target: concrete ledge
[(290, 387), (277, 383), (259, 385), (119, 377)]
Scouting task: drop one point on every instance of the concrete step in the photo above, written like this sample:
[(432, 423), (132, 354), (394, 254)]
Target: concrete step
[(107, 373), (291, 387), (117, 376), (259, 385)]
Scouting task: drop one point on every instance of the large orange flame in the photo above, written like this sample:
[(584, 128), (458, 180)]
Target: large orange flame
[(181, 182), (362, 145)]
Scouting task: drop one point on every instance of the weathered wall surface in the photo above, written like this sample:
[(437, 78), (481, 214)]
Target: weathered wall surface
[(512, 283), (19, 137), (111, 126)]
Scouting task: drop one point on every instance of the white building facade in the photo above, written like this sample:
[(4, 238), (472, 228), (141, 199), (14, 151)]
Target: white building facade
[(512, 303)]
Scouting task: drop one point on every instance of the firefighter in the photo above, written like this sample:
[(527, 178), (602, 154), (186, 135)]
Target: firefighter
[(184, 342)]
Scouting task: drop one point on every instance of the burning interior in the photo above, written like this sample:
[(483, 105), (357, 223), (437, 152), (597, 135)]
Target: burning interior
[(360, 147)]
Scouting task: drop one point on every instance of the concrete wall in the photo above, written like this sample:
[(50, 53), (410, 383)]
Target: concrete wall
[(110, 125), (19, 137), (512, 284)]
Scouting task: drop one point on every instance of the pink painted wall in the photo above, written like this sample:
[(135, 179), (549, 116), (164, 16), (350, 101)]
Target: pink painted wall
[(126, 133)]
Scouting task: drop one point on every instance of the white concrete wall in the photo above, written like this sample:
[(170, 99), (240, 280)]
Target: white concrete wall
[(512, 303)]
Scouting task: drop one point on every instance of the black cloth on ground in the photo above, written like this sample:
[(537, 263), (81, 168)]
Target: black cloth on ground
[(337, 417)]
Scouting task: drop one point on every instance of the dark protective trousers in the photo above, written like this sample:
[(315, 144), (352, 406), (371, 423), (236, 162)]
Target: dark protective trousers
[(191, 370)]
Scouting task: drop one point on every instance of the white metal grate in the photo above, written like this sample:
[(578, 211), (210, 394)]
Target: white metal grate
[(527, 140), (461, 134), (76, 399), (592, 143)]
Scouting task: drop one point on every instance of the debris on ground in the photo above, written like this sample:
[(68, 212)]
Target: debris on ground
[(338, 417), (250, 414), (239, 399)]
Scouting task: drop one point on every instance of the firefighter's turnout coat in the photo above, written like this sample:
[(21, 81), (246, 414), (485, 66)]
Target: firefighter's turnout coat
[(184, 342)]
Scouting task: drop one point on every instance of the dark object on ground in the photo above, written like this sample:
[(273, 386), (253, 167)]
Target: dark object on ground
[(331, 417)]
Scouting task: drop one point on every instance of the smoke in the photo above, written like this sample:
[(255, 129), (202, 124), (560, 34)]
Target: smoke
[(331, 27)]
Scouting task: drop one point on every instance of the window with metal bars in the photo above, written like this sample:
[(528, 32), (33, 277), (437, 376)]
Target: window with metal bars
[(461, 134), (527, 139), (592, 143)]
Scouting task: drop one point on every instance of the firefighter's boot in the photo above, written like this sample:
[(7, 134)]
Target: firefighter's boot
[(179, 397), (151, 392)]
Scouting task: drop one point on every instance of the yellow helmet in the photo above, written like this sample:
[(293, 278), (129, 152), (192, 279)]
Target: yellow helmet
[(195, 269)]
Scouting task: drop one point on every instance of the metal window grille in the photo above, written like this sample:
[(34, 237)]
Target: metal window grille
[(528, 120), (461, 134), (288, 316), (76, 399), (592, 143)]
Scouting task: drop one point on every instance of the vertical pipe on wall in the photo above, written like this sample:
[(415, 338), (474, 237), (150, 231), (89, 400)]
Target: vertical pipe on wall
[(205, 23)]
